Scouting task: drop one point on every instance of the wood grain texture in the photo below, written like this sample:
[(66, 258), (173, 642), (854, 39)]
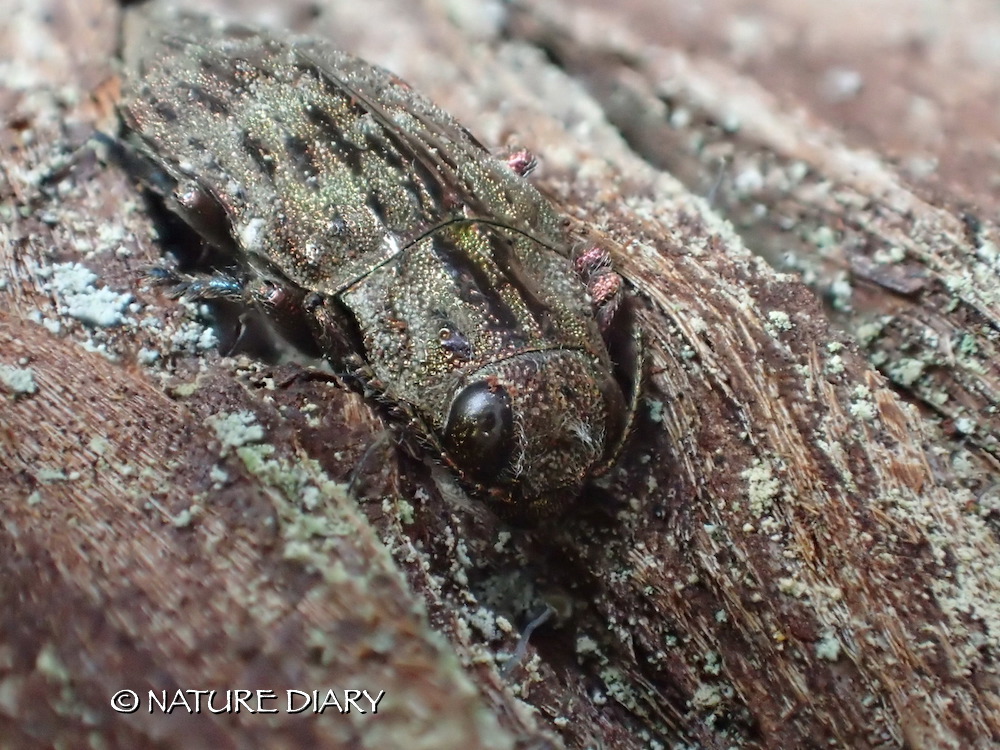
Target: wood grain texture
[(798, 548)]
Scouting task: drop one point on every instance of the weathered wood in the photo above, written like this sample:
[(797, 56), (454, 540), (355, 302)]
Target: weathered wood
[(791, 553)]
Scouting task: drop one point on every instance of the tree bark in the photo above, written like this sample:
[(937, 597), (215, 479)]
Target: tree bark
[(798, 547)]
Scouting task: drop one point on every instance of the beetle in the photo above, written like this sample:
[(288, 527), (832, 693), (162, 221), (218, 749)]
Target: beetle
[(363, 220)]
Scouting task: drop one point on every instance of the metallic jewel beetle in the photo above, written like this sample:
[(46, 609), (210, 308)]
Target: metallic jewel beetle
[(360, 217)]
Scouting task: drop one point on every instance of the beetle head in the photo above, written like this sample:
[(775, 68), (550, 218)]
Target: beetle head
[(527, 432)]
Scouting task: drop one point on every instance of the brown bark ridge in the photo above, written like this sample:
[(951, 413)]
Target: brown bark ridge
[(797, 549)]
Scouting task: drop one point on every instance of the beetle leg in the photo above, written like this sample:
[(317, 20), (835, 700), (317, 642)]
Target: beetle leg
[(280, 304), (333, 329), (632, 411), (602, 282), (219, 286), (127, 157), (197, 206), (338, 338), (204, 213)]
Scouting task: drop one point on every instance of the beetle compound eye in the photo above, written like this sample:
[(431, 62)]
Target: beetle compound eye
[(479, 435)]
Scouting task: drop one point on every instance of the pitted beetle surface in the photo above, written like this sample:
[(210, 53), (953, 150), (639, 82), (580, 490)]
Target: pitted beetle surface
[(358, 215)]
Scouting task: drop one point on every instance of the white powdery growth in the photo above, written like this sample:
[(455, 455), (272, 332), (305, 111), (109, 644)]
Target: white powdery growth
[(250, 232), (73, 284)]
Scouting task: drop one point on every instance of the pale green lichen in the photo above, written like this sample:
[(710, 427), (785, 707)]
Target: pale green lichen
[(835, 365), (841, 292), (656, 408), (906, 371), (185, 390), (969, 345), (147, 356), (823, 237), (862, 406), (889, 256), (219, 477), (19, 380), (965, 425), (828, 648), (47, 475), (937, 397), (99, 445), (308, 531), (866, 333), (763, 488), (778, 320), (618, 688), (48, 663), (186, 517), (236, 429), (793, 587), (586, 645), (713, 663)]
